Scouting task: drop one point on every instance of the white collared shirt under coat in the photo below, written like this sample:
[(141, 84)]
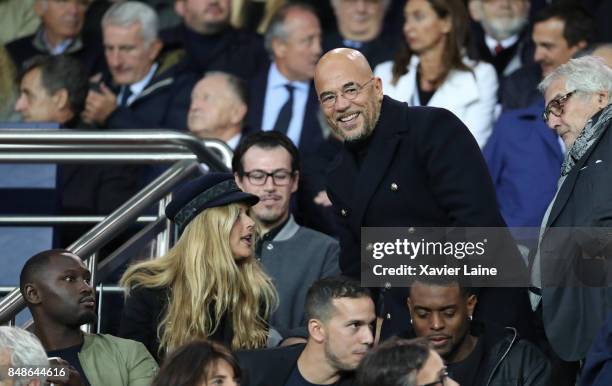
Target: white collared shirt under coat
[(470, 96)]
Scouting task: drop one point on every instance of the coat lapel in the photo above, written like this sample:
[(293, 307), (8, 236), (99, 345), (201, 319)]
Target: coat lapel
[(380, 155), (568, 185), (381, 152), (257, 97)]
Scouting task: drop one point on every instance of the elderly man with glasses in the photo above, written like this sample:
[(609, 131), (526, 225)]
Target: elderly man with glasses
[(570, 267), (267, 164)]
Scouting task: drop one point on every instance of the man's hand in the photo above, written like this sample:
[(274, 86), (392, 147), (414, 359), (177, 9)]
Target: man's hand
[(99, 105), (74, 378)]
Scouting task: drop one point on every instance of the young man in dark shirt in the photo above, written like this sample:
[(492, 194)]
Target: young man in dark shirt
[(340, 318), (475, 353)]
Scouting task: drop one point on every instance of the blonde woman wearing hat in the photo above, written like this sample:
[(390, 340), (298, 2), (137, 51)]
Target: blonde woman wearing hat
[(208, 285)]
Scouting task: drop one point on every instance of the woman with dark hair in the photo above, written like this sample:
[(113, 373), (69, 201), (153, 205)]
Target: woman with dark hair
[(432, 68), (199, 363), (209, 285), (401, 362)]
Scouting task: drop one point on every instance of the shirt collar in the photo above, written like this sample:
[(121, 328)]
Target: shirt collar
[(233, 142), (492, 43), (277, 80), (58, 49), (139, 86)]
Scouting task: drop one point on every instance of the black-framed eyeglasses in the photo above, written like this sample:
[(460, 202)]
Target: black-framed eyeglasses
[(441, 381), (555, 106), (281, 177), (349, 92)]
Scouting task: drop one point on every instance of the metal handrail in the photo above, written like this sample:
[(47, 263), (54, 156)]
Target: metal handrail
[(117, 221), (50, 144), (54, 220), (73, 145)]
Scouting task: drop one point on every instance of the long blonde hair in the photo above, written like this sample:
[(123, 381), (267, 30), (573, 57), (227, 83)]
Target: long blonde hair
[(203, 275)]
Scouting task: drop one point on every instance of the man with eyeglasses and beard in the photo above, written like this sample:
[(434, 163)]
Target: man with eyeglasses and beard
[(571, 293), (57, 289), (407, 167), (267, 164)]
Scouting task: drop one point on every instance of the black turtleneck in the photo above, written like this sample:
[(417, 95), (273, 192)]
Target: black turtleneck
[(359, 149)]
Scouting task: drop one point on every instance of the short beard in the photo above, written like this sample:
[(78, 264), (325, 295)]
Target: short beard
[(368, 129), (333, 360), (89, 317), (501, 30)]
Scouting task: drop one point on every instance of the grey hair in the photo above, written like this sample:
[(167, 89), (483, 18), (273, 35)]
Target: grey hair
[(588, 74), (277, 28), (25, 350), (130, 12), (236, 85)]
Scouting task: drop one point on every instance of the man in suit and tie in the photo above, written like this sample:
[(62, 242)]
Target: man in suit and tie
[(144, 89), (571, 294), (283, 98), (500, 34)]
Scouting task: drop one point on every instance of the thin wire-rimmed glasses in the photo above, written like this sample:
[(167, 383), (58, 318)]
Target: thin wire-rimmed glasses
[(555, 106), (281, 177), (440, 381), (350, 92)]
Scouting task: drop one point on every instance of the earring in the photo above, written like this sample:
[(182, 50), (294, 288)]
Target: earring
[(470, 317), (410, 320)]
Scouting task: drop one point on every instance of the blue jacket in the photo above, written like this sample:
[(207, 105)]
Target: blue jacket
[(597, 370), (524, 158)]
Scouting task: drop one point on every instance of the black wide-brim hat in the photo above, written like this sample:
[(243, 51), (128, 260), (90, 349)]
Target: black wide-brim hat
[(209, 191)]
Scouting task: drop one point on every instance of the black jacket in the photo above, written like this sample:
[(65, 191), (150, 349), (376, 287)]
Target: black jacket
[(164, 102), (381, 49), (509, 59), (88, 51), (143, 311), (423, 168), (272, 367), (511, 361), (505, 360), (232, 50)]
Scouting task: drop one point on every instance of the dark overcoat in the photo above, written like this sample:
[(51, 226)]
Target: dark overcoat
[(423, 168)]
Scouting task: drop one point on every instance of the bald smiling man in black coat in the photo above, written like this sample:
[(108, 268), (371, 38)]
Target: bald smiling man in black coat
[(405, 166)]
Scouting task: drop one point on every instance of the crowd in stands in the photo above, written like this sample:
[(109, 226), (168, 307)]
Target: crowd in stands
[(341, 114)]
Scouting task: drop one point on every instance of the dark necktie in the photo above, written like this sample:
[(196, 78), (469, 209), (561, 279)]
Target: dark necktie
[(284, 116), (125, 95), (498, 48)]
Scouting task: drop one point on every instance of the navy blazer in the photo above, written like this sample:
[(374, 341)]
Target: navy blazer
[(311, 136), (597, 370), (524, 158)]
